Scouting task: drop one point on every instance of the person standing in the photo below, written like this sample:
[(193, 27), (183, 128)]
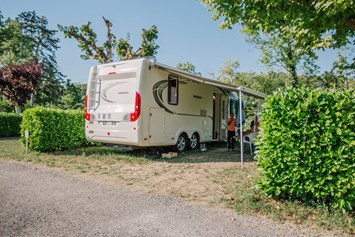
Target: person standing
[(231, 131)]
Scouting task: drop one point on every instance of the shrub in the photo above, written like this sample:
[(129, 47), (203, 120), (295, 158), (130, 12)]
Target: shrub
[(53, 129), (306, 146), (6, 107), (9, 124)]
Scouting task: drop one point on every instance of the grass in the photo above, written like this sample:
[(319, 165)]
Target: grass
[(211, 177), (248, 199), (80, 159)]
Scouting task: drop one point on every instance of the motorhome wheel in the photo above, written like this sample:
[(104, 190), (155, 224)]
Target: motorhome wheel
[(194, 141), (181, 143)]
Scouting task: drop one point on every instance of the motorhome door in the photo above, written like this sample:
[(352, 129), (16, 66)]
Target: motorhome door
[(220, 116), (156, 125)]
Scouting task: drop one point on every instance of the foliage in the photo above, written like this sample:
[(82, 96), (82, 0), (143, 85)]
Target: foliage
[(5, 106), (266, 83), (2, 24), (87, 42), (282, 52), (53, 129), (9, 124), (18, 82), (43, 39), (15, 47), (25, 38), (312, 24), (148, 46), (44, 47), (50, 90), (73, 96), (187, 67), (262, 82), (228, 73), (306, 147), (342, 74), (247, 198)]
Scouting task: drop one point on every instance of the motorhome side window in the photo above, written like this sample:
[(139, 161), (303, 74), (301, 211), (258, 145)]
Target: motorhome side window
[(173, 90)]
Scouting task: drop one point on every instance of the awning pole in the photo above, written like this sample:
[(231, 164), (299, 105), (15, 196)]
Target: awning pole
[(241, 128)]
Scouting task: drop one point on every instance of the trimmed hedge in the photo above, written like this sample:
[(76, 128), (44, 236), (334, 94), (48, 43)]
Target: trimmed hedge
[(53, 129), (10, 124), (306, 147)]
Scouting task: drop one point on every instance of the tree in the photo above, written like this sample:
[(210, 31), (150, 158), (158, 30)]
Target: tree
[(344, 68), (148, 47), (342, 74), (28, 38), (1, 22), (5, 106), (15, 47), (18, 82), (44, 47), (43, 39), (228, 73), (187, 67), (87, 42), (315, 24), (73, 96), (266, 83), (262, 82), (282, 52)]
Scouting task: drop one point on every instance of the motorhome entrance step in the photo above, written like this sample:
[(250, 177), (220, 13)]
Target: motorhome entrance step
[(169, 155)]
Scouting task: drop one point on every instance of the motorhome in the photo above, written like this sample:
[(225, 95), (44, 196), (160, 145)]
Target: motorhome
[(143, 103)]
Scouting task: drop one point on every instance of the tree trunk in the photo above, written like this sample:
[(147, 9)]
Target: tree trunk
[(17, 108), (32, 99), (292, 65), (294, 75)]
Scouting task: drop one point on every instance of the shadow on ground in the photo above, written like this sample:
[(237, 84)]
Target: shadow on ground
[(216, 152)]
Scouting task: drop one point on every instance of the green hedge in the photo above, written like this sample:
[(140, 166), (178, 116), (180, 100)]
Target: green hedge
[(9, 124), (53, 129), (306, 147)]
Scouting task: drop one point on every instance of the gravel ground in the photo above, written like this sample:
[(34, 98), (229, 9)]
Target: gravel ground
[(40, 201)]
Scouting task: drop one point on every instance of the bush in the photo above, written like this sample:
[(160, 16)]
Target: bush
[(6, 107), (9, 124), (53, 129), (306, 147)]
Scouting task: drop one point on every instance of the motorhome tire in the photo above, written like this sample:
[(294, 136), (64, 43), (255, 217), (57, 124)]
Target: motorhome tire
[(181, 143), (194, 141)]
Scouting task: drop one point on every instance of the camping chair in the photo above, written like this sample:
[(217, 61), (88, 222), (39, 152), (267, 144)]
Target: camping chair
[(249, 138)]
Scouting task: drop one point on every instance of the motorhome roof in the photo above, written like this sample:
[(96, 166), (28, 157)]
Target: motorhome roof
[(201, 79)]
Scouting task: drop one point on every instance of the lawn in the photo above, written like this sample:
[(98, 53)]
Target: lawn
[(213, 178)]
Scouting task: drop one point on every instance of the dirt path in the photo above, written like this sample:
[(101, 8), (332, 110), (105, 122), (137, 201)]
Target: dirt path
[(39, 201)]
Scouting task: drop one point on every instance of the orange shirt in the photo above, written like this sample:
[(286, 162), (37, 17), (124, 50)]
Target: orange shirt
[(231, 124)]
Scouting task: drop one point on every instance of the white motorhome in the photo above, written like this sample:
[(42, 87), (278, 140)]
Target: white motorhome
[(143, 103)]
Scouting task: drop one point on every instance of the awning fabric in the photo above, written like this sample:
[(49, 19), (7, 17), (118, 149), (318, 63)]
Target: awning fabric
[(200, 79)]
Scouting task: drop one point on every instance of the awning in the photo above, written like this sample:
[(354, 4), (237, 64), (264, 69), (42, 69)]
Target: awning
[(200, 79), (241, 91)]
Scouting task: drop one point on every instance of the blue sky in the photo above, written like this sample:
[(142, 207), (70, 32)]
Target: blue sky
[(186, 32)]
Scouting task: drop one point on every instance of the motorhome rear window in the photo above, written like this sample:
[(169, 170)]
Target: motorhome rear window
[(173, 90)]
